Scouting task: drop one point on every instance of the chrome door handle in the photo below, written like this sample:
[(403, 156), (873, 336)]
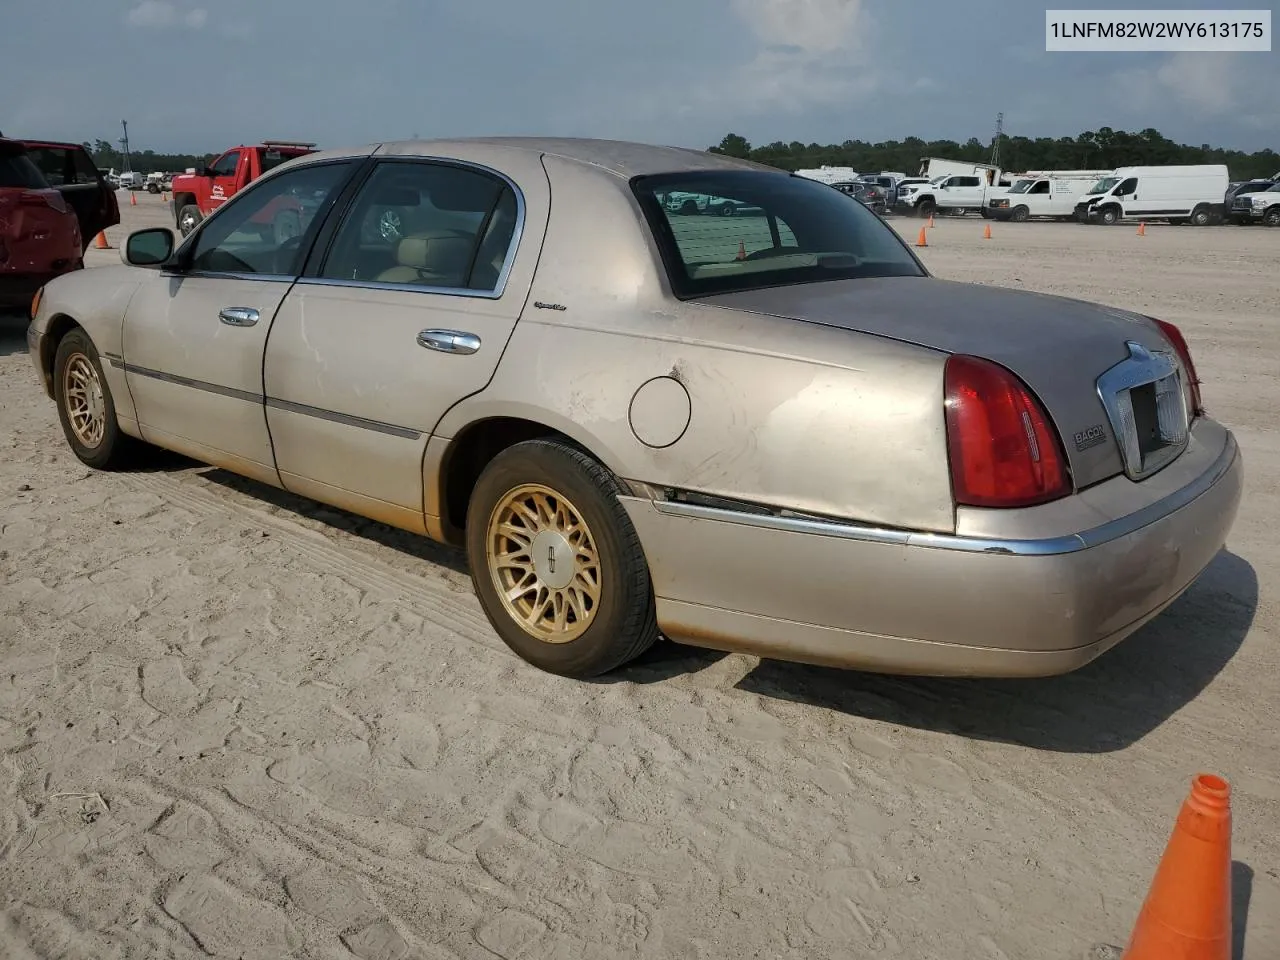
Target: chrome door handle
[(238, 316), (449, 341)]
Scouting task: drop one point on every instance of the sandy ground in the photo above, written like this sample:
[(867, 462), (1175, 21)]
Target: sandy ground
[(238, 724)]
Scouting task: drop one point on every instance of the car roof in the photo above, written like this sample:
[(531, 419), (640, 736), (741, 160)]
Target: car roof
[(622, 158), (53, 143)]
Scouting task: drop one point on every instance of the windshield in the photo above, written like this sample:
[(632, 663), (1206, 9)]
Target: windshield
[(761, 229), (1274, 188), (1103, 185), (1022, 186)]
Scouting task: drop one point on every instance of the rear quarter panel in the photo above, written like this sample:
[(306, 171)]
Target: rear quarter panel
[(782, 413)]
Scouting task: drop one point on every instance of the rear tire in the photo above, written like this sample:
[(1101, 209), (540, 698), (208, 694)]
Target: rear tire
[(86, 408), (1201, 216), (556, 563)]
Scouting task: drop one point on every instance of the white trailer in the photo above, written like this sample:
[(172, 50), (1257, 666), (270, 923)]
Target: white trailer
[(827, 174)]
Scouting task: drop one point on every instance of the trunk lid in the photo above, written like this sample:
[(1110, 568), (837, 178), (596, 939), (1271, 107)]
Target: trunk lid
[(1058, 346)]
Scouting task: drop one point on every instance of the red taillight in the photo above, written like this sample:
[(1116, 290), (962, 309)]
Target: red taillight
[(1004, 452), (1179, 342)]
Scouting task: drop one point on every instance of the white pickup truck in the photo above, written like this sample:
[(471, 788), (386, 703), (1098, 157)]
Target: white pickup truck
[(955, 193), (1257, 205)]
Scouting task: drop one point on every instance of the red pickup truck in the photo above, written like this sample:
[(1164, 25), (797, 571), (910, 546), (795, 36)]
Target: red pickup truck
[(198, 194)]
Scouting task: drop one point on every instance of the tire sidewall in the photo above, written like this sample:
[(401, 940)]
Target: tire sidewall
[(75, 343), (551, 464)]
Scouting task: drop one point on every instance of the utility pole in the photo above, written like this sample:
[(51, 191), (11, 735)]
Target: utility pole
[(124, 143), (995, 144)]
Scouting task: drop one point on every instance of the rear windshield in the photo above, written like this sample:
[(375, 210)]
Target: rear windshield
[(17, 170), (725, 230)]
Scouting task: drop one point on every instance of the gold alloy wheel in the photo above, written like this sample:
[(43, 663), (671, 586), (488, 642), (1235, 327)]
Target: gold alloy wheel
[(544, 563), (84, 399)]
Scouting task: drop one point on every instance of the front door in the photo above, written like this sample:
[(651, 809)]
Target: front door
[(224, 178), (409, 313), (194, 335)]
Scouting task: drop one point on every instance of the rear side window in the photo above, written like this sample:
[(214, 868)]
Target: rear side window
[(17, 170), (721, 231), (430, 225)]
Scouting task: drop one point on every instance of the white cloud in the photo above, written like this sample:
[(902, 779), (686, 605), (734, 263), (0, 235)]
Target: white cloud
[(160, 14), (810, 52)]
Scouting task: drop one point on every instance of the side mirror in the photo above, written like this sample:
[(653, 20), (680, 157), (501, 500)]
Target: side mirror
[(148, 248)]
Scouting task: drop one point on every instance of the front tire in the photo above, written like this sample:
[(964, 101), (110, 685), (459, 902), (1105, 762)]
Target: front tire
[(1272, 217), (556, 562), (1020, 214), (1108, 216), (86, 408), (188, 217)]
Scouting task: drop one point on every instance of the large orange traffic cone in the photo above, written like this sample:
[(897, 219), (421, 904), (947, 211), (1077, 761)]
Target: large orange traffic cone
[(1187, 913), (100, 242), (1142, 228), (922, 240), (986, 232)]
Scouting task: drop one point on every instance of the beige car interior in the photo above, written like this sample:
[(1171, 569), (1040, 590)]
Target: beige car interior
[(436, 259)]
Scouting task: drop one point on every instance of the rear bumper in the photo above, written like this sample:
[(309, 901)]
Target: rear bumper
[(892, 601)]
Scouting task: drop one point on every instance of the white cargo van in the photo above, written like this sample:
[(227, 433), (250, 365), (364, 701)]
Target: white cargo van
[(1054, 197), (1178, 194)]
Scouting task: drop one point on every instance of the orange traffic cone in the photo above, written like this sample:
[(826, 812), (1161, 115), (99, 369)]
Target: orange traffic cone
[(742, 250), (986, 232), (1187, 913), (922, 241), (133, 199), (931, 220), (1142, 228), (100, 242)]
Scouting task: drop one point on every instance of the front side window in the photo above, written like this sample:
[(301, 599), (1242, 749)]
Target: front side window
[(1041, 187), (1128, 187), (1103, 185), (82, 163), (263, 229), (426, 224), (783, 230), (226, 166)]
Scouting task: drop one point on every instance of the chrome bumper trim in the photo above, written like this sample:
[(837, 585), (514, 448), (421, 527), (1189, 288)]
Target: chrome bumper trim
[(1050, 546)]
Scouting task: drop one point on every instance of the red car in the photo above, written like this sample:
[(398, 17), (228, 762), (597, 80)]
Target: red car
[(53, 202)]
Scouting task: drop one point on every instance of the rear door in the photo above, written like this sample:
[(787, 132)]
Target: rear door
[(71, 171), (408, 313)]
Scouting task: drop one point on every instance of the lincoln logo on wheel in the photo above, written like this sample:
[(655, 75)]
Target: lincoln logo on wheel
[(551, 559)]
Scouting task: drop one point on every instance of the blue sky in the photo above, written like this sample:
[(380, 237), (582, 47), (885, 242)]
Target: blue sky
[(200, 75)]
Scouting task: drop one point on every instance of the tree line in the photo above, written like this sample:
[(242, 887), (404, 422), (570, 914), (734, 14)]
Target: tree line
[(1102, 149), (108, 157)]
